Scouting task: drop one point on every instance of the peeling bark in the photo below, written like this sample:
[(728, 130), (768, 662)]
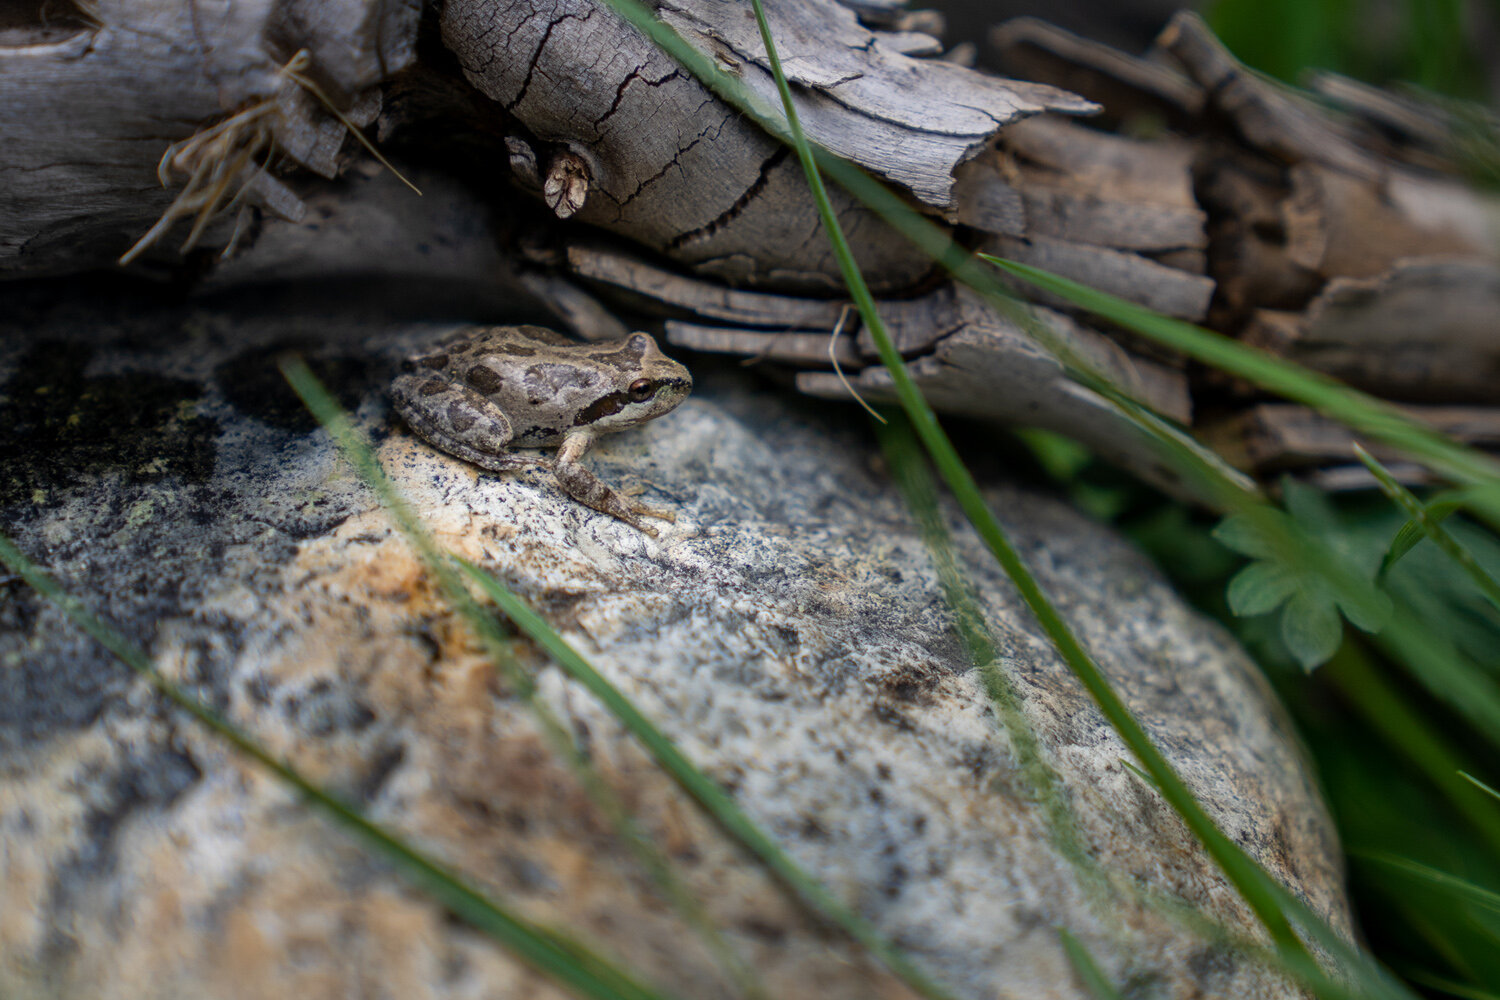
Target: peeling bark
[(680, 172)]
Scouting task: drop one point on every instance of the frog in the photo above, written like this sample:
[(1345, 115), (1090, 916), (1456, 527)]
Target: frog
[(487, 390)]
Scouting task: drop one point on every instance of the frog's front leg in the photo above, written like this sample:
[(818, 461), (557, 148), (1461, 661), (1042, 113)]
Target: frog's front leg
[(458, 420), (583, 486)]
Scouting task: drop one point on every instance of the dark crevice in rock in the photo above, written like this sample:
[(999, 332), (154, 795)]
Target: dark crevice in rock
[(64, 428)]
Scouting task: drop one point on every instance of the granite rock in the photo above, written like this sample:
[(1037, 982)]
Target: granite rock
[(787, 632)]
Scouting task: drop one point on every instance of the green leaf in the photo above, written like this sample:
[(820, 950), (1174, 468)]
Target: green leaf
[(1367, 612), (1308, 506), (1261, 587), (1311, 628), (1244, 536)]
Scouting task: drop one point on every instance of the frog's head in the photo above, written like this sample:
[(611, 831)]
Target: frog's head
[(646, 384)]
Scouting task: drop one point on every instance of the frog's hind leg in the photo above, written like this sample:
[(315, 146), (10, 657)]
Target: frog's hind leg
[(460, 421)]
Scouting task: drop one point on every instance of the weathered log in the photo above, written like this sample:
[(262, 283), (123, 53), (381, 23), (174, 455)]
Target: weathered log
[(1326, 242), (88, 111), (671, 166)]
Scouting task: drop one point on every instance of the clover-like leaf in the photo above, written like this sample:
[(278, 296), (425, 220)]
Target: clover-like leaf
[(1367, 612), (1311, 627), (1260, 588), (1244, 535), (1290, 570)]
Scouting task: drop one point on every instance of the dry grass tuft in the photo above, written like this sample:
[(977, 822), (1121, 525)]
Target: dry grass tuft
[(222, 162)]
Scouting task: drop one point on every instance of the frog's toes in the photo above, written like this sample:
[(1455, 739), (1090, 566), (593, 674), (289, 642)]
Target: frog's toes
[(660, 513)]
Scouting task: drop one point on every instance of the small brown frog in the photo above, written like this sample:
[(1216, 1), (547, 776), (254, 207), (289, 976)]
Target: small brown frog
[(508, 387)]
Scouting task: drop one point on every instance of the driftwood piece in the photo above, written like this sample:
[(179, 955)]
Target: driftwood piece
[(1270, 117), (88, 109), (805, 350), (1056, 179), (996, 371), (1340, 225), (1428, 330), (1130, 276), (1123, 84), (696, 296), (1346, 242), (1272, 437), (1412, 130)]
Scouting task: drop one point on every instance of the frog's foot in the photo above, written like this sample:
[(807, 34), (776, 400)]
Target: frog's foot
[(642, 510), (583, 486)]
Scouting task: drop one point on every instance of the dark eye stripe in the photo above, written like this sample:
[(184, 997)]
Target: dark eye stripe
[(602, 407)]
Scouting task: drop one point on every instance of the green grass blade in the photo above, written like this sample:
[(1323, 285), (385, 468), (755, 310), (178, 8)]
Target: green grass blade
[(1267, 899), (332, 417), (1430, 526), (909, 470), (908, 466), (1487, 789), (1093, 978), (1438, 510), (1445, 985), (1409, 734), (1455, 886), (565, 960)]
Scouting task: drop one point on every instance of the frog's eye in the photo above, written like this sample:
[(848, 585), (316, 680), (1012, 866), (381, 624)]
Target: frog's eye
[(641, 389)]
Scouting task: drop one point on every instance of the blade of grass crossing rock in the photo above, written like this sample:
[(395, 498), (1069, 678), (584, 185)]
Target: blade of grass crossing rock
[(332, 417), (714, 800), (908, 467), (1088, 971), (567, 961), (702, 788), (1266, 897), (1242, 871)]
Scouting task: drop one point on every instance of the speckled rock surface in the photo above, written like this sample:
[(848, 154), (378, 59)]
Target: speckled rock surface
[(787, 632)]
